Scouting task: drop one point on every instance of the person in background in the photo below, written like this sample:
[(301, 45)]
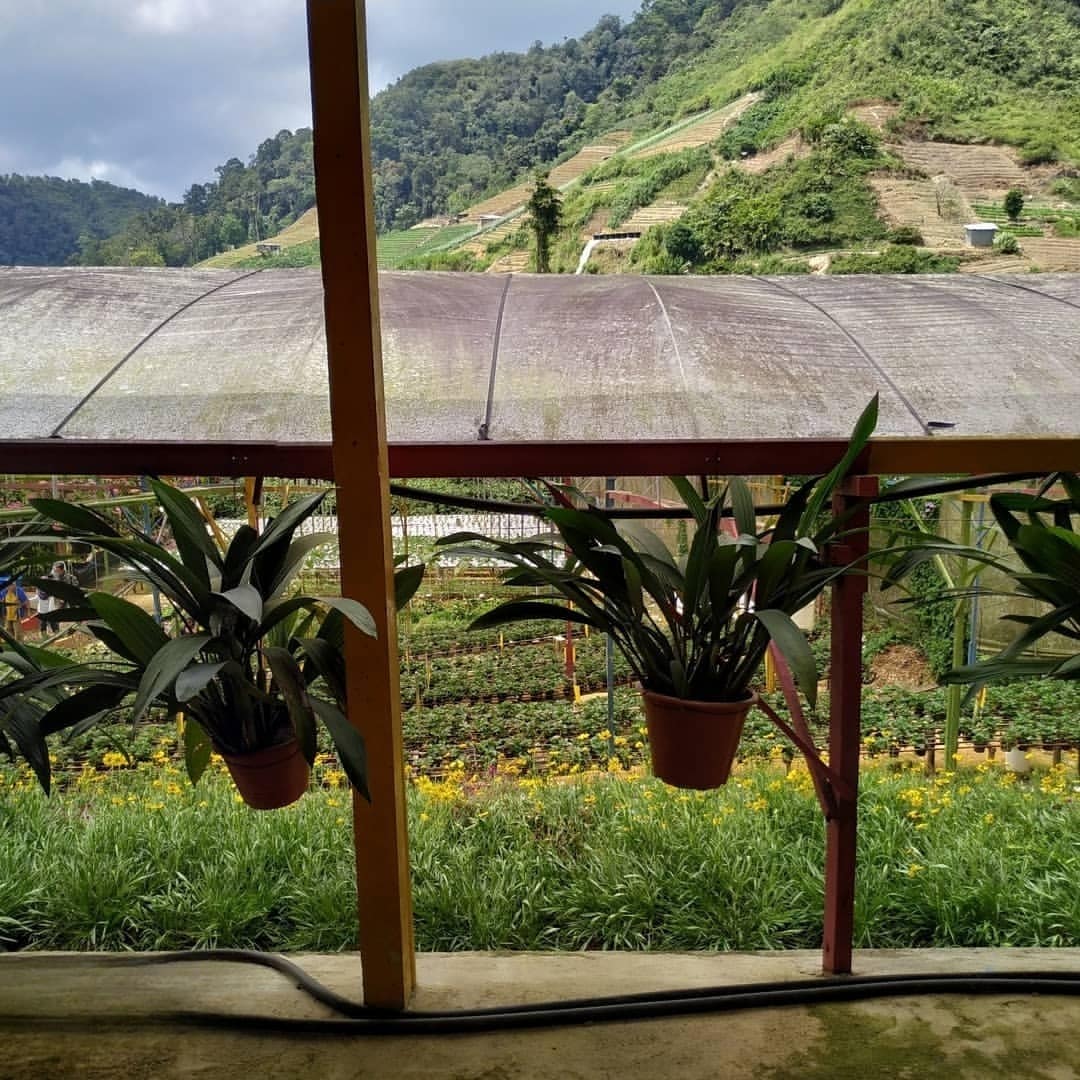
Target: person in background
[(15, 608), (49, 605)]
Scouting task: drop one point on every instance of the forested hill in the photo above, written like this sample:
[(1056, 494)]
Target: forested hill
[(43, 218), (446, 134), (971, 70)]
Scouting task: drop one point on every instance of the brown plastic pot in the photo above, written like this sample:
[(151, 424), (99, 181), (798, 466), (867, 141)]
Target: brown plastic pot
[(272, 778), (693, 743)]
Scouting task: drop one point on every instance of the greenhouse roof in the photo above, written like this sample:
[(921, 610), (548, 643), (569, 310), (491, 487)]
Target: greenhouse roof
[(204, 356)]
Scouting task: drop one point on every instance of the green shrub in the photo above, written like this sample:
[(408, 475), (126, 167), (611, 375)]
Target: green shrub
[(1014, 204), (1007, 244), (895, 260), (905, 235), (1040, 154)]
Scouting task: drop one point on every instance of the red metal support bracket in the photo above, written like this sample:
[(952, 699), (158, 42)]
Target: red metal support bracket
[(845, 714)]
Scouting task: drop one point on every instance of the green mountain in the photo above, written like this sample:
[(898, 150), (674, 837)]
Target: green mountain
[(43, 219), (732, 134), (1004, 70)]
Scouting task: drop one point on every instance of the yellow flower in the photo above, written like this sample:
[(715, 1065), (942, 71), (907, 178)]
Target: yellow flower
[(589, 800), (915, 869), (339, 821), (333, 802), (759, 804), (424, 815), (988, 819), (113, 760), (605, 734)]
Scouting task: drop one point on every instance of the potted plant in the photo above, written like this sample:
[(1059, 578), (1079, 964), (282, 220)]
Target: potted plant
[(694, 629), (253, 666)]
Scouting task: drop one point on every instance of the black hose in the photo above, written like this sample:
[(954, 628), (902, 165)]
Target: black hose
[(357, 1019)]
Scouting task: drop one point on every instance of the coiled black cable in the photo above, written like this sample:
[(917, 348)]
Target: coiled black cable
[(357, 1019)]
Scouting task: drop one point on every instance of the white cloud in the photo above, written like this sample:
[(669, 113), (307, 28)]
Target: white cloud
[(156, 93), (75, 168), (171, 16)]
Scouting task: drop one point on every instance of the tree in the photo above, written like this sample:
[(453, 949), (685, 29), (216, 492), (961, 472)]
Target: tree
[(1014, 204), (545, 216)]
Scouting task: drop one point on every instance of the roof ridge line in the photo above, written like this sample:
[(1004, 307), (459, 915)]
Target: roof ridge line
[(132, 351), (927, 430)]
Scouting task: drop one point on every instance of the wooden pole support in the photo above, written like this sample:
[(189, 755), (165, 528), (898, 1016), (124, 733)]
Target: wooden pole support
[(844, 730), (343, 184)]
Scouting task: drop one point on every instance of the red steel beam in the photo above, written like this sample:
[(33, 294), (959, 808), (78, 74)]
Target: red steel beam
[(738, 457), (845, 722)]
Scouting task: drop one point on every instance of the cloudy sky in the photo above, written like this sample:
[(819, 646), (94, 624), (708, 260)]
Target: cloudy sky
[(154, 93)]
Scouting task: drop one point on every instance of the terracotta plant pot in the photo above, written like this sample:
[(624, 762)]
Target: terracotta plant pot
[(693, 743), (270, 779)]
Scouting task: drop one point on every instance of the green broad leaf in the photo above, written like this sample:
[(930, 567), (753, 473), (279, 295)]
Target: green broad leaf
[(634, 593), (1068, 669), (290, 683), (698, 561), (348, 742), (40, 657), (721, 576), (142, 638), (190, 531), (286, 523), (406, 581), (21, 725), (791, 518), (164, 668), (527, 611), (246, 599), (994, 670), (771, 569), (194, 679), (796, 650), (325, 661), (354, 611), (295, 560), (677, 674), (742, 505), (93, 702), (70, 594), (860, 436), (646, 542), (332, 630), (689, 495), (74, 516), (197, 749), (237, 565)]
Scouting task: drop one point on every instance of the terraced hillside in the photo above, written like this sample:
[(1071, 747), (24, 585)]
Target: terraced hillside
[(700, 131), (568, 172), (303, 230), (976, 170), (917, 203)]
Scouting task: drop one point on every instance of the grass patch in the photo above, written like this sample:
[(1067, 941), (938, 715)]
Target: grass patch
[(896, 259), (135, 858)]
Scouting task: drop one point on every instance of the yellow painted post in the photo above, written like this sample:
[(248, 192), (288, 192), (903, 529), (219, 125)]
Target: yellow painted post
[(343, 185)]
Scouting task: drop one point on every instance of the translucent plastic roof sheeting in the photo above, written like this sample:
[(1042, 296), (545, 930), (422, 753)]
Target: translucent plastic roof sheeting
[(205, 355)]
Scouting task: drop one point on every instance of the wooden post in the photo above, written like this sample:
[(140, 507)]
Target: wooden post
[(343, 184), (845, 715)]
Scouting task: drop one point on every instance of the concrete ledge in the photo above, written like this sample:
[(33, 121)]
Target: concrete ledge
[(106, 1011)]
